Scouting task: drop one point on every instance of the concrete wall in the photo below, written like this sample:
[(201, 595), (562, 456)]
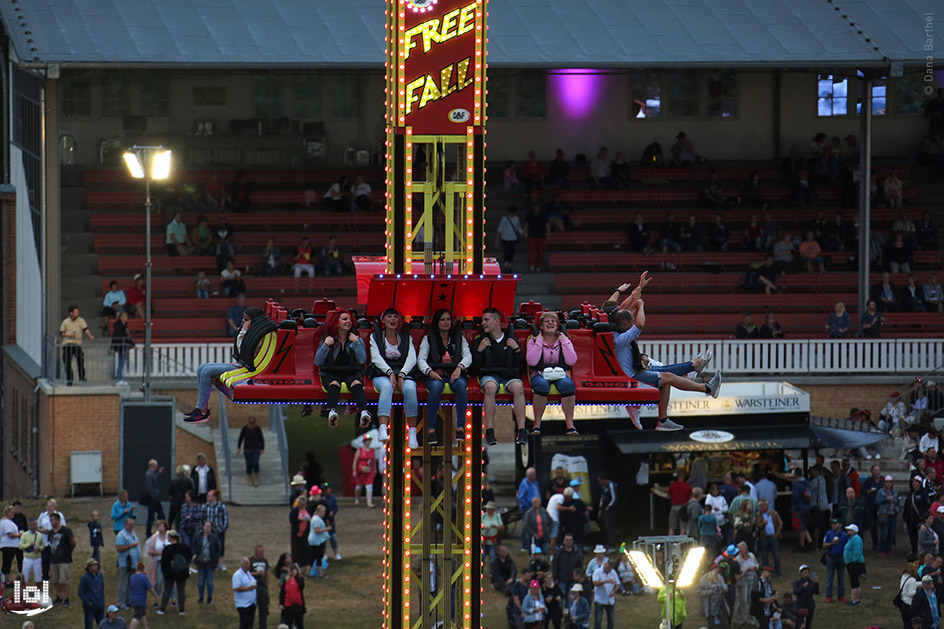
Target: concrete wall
[(17, 454)]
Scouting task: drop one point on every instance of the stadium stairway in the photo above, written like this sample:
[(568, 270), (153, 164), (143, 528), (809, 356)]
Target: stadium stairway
[(80, 283), (271, 489)]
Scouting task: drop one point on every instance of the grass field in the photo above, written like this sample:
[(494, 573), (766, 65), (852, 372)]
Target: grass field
[(351, 597)]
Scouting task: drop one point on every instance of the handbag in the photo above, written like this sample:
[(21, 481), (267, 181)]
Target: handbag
[(822, 559), (896, 601), (553, 374)]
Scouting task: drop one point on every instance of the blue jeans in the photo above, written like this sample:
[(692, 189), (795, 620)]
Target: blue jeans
[(835, 565), (205, 375), (332, 267), (205, 580), (120, 370), (203, 293), (435, 390), (542, 386), (887, 534), (334, 542), (227, 248), (768, 546), (671, 245), (679, 369), (93, 615), (598, 611), (385, 401), (252, 461)]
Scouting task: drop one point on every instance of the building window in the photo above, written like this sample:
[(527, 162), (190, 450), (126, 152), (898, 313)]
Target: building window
[(155, 95), (683, 94), (722, 94), (76, 98), (646, 95), (879, 97), (909, 93), (532, 94), (209, 95), (346, 96), (116, 97), (497, 95), (306, 97), (832, 95), (268, 95)]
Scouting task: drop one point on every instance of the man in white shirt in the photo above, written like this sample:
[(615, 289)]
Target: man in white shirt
[(244, 594), (44, 526), (605, 582), (600, 169), (552, 505)]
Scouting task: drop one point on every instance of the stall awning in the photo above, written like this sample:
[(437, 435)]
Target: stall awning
[(847, 439), (712, 440)]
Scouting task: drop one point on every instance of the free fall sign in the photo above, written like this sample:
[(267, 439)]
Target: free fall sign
[(441, 75)]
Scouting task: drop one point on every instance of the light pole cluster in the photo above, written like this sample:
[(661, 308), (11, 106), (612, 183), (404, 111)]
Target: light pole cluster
[(645, 558)]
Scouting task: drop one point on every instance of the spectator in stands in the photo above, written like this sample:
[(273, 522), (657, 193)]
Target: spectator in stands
[(330, 259), (360, 193), (232, 281), (816, 145), (532, 173), (202, 238), (892, 188), (215, 196), (508, 234), (886, 295), (189, 198), (767, 276), (838, 325), (223, 235), (338, 196), (178, 242), (906, 228), (825, 166), (783, 253), (121, 344), (912, 296), (393, 359), (303, 259), (718, 234), (771, 232), (599, 175), (871, 321), (113, 303), (683, 152), (202, 285), (752, 194), (771, 328), (234, 315), (753, 235), (239, 195), (535, 228), (340, 359), (899, 255), (926, 233), (669, 236), (934, 295), (638, 235), (510, 179), (804, 193), (558, 214), (498, 361), (271, 257), (652, 156), (550, 355), (746, 329), (445, 347), (137, 295), (71, 331), (559, 171), (811, 254), (712, 195), (691, 235), (834, 235), (628, 326), (619, 172)]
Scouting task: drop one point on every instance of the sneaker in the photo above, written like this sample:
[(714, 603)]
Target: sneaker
[(307, 410), (522, 438), (222, 568), (842, 599), (878, 455), (667, 425), (571, 431), (200, 600), (197, 417), (460, 434), (414, 444), (159, 612), (535, 432), (121, 383), (181, 613), (431, 438), (210, 601), (705, 357), (58, 601), (490, 437), (333, 418), (337, 557), (384, 437), (634, 417), (829, 599), (714, 385), (365, 419), (194, 571), (66, 603)]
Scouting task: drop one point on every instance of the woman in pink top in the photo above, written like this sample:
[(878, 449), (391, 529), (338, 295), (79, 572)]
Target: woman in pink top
[(549, 350)]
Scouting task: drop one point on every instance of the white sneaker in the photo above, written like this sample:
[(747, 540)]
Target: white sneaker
[(121, 383), (414, 444), (667, 425), (384, 437), (714, 385), (337, 557), (878, 455), (706, 358), (333, 418), (365, 419)]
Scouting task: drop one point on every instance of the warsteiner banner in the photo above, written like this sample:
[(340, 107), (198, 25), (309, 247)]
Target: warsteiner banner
[(438, 65)]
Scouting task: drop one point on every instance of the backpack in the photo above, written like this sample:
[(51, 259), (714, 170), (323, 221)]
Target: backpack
[(179, 564)]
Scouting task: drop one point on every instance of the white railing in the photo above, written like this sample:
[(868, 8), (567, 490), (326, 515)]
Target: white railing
[(794, 356)]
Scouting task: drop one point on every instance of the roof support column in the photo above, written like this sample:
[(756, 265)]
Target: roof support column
[(865, 172)]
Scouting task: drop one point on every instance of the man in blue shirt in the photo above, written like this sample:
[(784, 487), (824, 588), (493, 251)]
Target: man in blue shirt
[(528, 489), (629, 325), (234, 316), (834, 542), (129, 554)]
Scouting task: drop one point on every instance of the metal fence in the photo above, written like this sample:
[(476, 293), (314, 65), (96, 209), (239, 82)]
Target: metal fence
[(757, 358)]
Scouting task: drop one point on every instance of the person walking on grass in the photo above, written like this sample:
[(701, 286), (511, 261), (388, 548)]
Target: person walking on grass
[(175, 566), (244, 594), (206, 555)]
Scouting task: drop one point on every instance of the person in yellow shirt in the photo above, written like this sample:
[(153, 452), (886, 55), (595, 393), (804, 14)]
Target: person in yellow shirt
[(71, 332), (31, 543)]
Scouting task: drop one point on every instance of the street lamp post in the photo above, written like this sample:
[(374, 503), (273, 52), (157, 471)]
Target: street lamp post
[(675, 571), (148, 162)]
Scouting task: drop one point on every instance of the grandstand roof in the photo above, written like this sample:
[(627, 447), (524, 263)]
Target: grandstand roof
[(544, 33)]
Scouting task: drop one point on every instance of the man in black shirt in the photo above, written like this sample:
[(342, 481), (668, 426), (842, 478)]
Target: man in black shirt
[(260, 569), (61, 544), (252, 443), (498, 360), (502, 570), (20, 520)]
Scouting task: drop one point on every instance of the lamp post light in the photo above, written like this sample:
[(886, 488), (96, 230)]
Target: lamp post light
[(148, 162), (675, 571)]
